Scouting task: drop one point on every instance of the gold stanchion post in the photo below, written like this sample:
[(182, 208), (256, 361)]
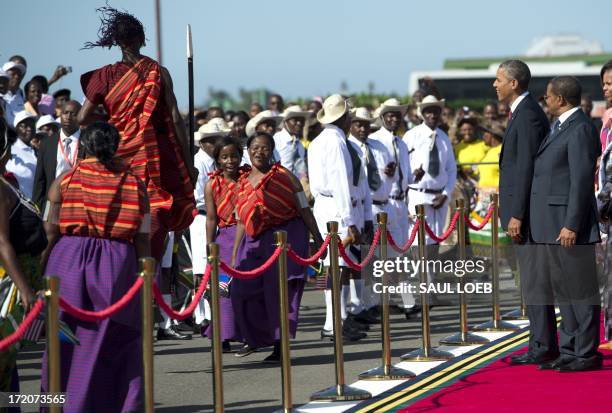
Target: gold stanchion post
[(339, 392), (464, 337), (147, 272), (386, 371), (281, 241), (53, 344), (427, 352), (217, 355), (496, 324)]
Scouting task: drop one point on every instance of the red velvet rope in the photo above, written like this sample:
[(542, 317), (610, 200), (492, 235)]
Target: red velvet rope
[(485, 220), (446, 233), (86, 315), (360, 266), (404, 248), (194, 302), (311, 260), (8, 341), (252, 273)]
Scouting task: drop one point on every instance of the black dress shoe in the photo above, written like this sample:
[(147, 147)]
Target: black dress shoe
[(226, 347), (348, 334), (530, 358), (589, 364), (365, 317), (274, 357), (245, 351), (183, 327), (556, 363), (171, 334), (352, 321), (374, 315), (410, 312)]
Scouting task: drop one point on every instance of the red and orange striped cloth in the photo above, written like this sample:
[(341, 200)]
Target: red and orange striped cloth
[(102, 203), (269, 204), (225, 194)]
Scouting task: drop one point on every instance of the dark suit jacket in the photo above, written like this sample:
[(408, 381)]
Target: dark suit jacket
[(562, 189), (526, 131), (45, 170)]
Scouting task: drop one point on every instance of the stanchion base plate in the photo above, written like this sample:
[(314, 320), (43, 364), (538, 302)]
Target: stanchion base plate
[(347, 394), (432, 354), (460, 340), (395, 373), (491, 326), (515, 315)]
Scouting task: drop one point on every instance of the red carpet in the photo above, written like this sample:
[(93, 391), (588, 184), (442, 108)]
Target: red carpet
[(500, 387)]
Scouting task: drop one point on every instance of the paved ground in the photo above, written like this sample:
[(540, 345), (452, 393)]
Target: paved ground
[(183, 376)]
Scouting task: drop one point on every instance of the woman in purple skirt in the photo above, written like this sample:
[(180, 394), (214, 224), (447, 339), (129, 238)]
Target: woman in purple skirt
[(221, 197), (270, 199), (99, 210)]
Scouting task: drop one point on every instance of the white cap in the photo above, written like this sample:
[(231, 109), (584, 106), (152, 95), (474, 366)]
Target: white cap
[(13, 65), (21, 116), (44, 121)]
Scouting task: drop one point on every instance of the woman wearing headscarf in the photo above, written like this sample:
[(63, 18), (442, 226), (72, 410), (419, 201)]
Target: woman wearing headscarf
[(270, 199), (22, 240), (100, 211)]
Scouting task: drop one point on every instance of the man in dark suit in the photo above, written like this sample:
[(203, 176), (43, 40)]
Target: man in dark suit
[(527, 128), (563, 223), (54, 159)]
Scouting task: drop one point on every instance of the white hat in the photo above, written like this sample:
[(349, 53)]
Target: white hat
[(362, 114), (214, 127), (259, 118), (334, 107), (13, 65), (44, 121), (296, 111), (392, 105), (21, 116), (428, 101)]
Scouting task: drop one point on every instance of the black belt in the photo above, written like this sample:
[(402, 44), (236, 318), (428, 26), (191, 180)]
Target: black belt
[(375, 202), (201, 212), (353, 203), (427, 191), (397, 197)]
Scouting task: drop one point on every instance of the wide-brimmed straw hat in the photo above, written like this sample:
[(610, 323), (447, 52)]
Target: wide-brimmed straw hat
[(429, 101), (334, 107), (216, 127), (251, 125), (392, 105), (296, 111), (361, 114)]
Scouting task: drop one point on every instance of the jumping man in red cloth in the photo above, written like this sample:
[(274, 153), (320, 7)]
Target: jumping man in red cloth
[(137, 95)]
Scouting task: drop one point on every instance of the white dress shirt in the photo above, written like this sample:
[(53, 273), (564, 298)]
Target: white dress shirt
[(205, 165), (361, 193), (70, 144), (331, 173), (382, 157), (419, 141), (399, 154), (290, 152), (516, 101), (23, 165), (565, 115), (14, 103)]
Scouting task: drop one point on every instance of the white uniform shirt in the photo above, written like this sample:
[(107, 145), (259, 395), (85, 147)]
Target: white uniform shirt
[(330, 171), (399, 155), (14, 103), (419, 141), (70, 144), (205, 165), (382, 157), (361, 193), (290, 152), (23, 165)]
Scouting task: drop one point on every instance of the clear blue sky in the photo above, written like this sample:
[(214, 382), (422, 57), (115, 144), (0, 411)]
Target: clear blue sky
[(298, 49)]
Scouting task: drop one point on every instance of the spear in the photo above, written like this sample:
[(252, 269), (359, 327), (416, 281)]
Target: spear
[(190, 77)]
